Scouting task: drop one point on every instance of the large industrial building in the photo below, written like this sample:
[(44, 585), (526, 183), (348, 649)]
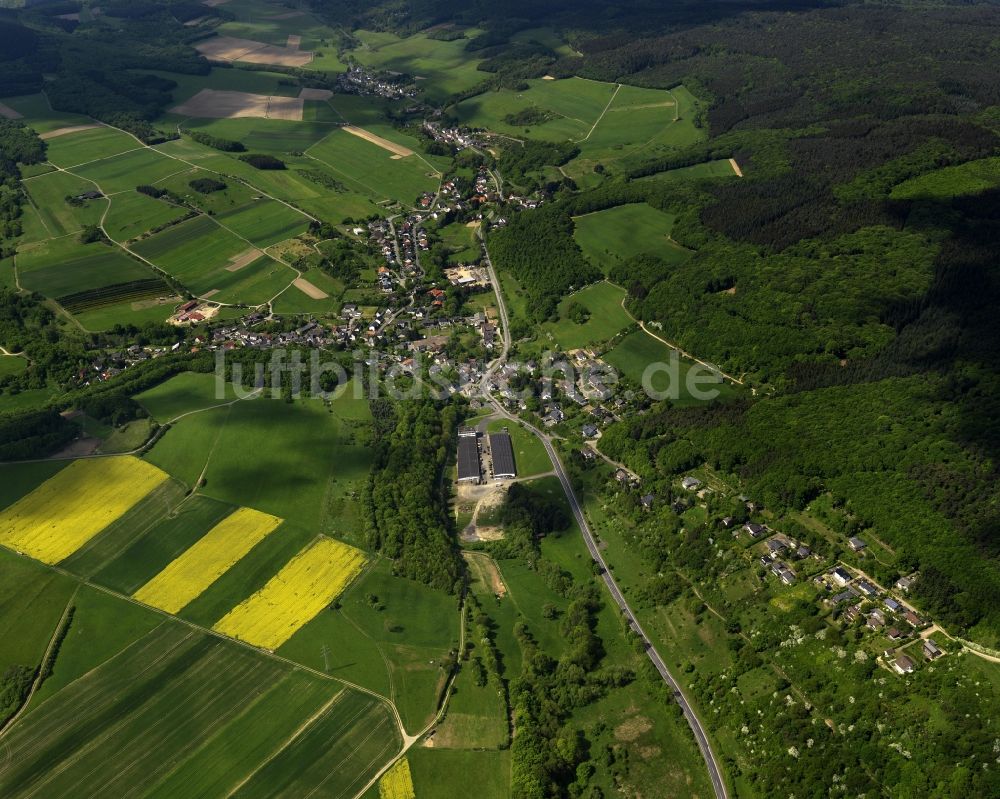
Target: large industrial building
[(502, 454), (469, 467)]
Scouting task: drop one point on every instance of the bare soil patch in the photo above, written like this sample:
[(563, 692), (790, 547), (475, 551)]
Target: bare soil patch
[(634, 727), (208, 294), (315, 94), (213, 104), (214, 3), (309, 289), (229, 48), (736, 167), (52, 134), (245, 258), (293, 41), (385, 144), (289, 108), (191, 23), (9, 113), (485, 568), (79, 448), (548, 77)]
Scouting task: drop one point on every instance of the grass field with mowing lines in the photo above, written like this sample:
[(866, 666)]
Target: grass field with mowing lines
[(265, 222), (197, 252), (48, 197), (611, 236), (125, 172), (207, 560), (63, 266), (367, 168), (70, 508), (246, 741), (88, 145), (607, 317), (335, 757), (127, 724), (396, 782), (131, 214), (299, 591)]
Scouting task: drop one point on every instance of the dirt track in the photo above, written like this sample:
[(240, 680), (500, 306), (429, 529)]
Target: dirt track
[(52, 134), (385, 144), (9, 113), (309, 289)]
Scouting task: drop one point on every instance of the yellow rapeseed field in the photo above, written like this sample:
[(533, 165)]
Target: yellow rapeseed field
[(302, 588), (207, 559), (397, 783), (74, 505)]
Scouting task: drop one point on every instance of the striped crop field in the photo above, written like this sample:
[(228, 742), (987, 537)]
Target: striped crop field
[(211, 556), (299, 591), (70, 508), (397, 783)]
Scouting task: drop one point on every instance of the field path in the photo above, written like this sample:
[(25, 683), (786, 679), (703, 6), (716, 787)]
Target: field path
[(675, 347), (593, 127), (37, 682)]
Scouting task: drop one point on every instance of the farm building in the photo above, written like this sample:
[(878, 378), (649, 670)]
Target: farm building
[(503, 456), (468, 457)]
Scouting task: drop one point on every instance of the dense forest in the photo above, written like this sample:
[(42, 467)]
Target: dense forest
[(405, 502)]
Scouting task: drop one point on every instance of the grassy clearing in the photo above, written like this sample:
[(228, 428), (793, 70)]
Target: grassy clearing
[(710, 169), (607, 317), (612, 236), (638, 351), (12, 365), (302, 455), (38, 114), (446, 773)]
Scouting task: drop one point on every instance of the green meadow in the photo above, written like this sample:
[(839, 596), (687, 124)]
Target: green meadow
[(367, 168), (616, 234), (82, 147), (638, 350), (607, 317)]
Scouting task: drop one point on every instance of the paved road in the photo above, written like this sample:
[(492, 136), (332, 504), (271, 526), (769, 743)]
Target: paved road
[(714, 772)]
